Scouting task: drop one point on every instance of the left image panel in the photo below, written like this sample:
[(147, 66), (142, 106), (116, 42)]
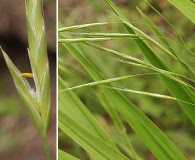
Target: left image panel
[(28, 79)]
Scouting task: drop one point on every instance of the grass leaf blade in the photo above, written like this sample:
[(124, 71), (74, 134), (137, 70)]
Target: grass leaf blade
[(93, 144), (154, 139), (65, 156), (177, 90), (186, 7), (25, 93)]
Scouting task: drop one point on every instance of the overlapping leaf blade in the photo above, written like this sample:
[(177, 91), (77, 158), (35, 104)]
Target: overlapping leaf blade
[(156, 141), (165, 42), (38, 57), (70, 104), (177, 90), (65, 156), (89, 141)]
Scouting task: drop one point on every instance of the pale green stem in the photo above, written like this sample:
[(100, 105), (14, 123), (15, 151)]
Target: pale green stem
[(46, 146)]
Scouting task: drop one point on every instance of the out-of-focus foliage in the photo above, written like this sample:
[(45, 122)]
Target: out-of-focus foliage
[(12, 22)]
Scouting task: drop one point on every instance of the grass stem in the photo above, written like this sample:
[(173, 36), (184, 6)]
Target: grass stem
[(46, 146)]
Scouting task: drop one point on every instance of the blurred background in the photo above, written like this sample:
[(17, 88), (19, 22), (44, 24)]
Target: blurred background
[(166, 114), (18, 136)]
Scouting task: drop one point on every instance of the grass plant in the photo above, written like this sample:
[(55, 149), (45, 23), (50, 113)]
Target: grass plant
[(75, 118), (37, 100)]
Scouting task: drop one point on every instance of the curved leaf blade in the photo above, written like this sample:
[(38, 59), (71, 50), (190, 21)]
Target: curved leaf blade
[(186, 7), (90, 142), (25, 93)]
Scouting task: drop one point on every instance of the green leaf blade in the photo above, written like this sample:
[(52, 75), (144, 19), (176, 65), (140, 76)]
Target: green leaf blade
[(25, 93), (69, 104), (186, 7), (93, 144), (176, 89), (154, 139), (65, 156), (38, 58)]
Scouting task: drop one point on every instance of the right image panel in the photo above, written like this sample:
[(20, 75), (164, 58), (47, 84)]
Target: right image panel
[(126, 80)]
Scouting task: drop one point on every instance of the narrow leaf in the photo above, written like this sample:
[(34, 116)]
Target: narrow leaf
[(38, 57), (26, 94), (177, 90), (72, 106), (90, 142), (155, 140), (186, 7), (65, 156), (82, 26), (164, 41)]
